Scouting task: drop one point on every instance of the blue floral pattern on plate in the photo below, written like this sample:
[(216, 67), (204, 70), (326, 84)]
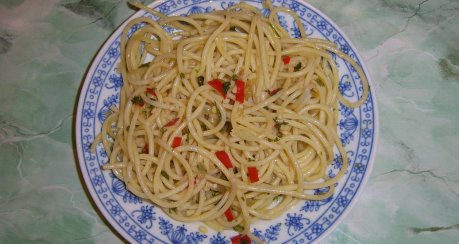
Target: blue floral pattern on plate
[(140, 221)]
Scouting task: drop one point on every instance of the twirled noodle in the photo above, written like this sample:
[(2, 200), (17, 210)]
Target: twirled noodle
[(285, 126)]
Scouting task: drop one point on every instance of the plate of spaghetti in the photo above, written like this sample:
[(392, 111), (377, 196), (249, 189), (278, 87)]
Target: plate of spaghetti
[(226, 122)]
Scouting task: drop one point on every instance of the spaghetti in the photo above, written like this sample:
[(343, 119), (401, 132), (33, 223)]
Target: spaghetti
[(227, 119)]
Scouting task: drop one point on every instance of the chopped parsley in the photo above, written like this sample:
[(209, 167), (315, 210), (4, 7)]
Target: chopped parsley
[(182, 75), (226, 87), (214, 193), (277, 139), (218, 111), (238, 228), (200, 80), (234, 77), (137, 100), (297, 67), (279, 123)]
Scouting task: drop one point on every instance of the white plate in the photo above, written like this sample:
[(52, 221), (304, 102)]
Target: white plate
[(139, 221)]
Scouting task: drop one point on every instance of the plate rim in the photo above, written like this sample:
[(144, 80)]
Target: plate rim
[(112, 37)]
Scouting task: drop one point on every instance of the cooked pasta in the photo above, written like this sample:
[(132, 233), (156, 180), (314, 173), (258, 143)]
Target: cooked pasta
[(227, 119)]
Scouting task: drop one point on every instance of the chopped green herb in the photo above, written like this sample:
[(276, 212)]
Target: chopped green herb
[(182, 75), (238, 228), (187, 137), (234, 77), (214, 193), (279, 123), (137, 100), (251, 159), (277, 139), (320, 82), (276, 198), (297, 67), (162, 130), (173, 210), (200, 80), (226, 87), (218, 111)]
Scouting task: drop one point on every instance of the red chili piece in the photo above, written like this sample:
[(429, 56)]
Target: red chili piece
[(229, 215), (240, 90), (224, 158), (176, 142), (286, 59), (236, 239), (253, 174), (218, 85), (151, 91), (245, 239), (145, 148), (241, 239), (171, 123)]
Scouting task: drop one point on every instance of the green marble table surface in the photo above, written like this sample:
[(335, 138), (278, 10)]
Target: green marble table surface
[(411, 48)]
